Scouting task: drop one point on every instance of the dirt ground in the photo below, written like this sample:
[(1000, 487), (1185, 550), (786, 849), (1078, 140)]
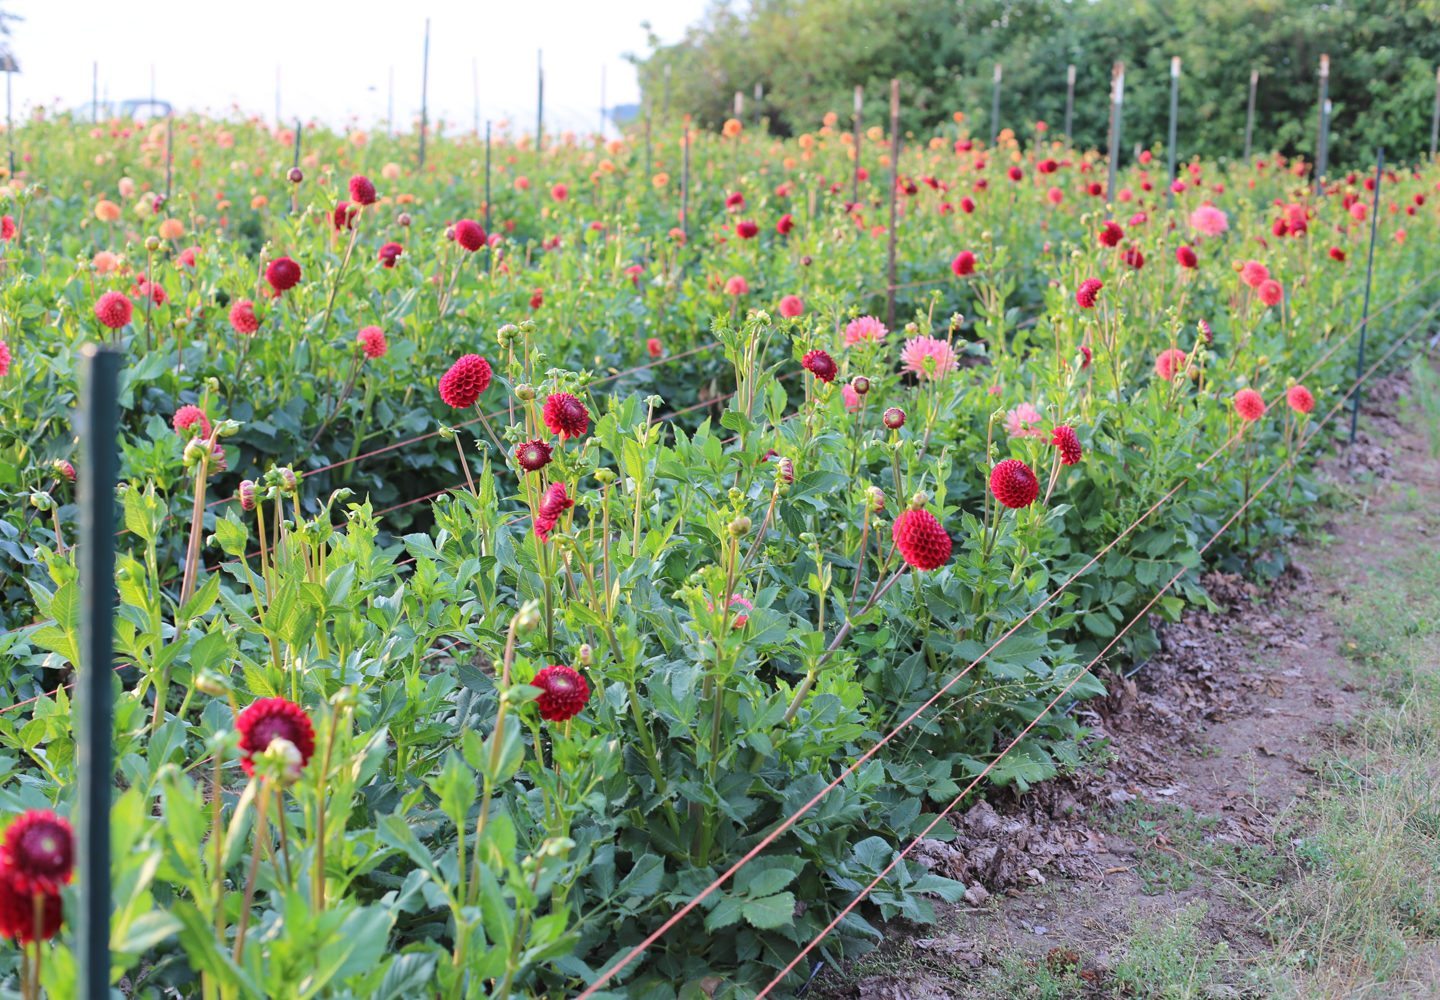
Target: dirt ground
[(1166, 853)]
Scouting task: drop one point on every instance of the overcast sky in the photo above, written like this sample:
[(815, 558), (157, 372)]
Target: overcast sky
[(335, 58)]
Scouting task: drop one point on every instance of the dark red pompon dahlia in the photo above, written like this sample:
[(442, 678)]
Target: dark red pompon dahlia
[(18, 905), (40, 848), (283, 274), (469, 234), (921, 539), (821, 365), (271, 719), (565, 415), (532, 456), (467, 378), (1013, 484), (1086, 294), (362, 192), (563, 693), (963, 264)]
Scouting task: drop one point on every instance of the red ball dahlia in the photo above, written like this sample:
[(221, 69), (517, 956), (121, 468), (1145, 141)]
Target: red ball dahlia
[(362, 192), (1086, 294), (271, 719), (243, 318), (389, 254), (1111, 234), (785, 225), (1065, 438), (1301, 400), (963, 264), (467, 378), (372, 341), (532, 456), (283, 274), (563, 693), (1249, 404), (344, 216), (1185, 256), (821, 365), (17, 909), (469, 234), (921, 539), (1169, 363), (565, 415), (746, 229), (40, 848), (1013, 484), (792, 306), (114, 310)]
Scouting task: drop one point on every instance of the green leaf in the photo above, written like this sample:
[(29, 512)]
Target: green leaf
[(771, 911)]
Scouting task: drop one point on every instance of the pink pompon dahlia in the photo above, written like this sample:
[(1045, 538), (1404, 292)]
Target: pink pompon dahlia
[(1249, 404), (467, 378), (188, 418), (114, 310), (1170, 363), (737, 285), (372, 342), (271, 719), (5, 359), (243, 318), (1065, 439), (469, 234), (563, 693), (565, 415), (1254, 273), (922, 540), (1014, 484), (928, 358), (864, 330), (963, 264), (1271, 292), (791, 306), (1207, 220)]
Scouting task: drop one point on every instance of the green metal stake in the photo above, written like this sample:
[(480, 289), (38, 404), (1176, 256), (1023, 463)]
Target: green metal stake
[(1069, 103), (1250, 111), (1174, 115), (424, 93), (894, 199), (1322, 143), (1365, 308), (1117, 100), (995, 106), (94, 695)]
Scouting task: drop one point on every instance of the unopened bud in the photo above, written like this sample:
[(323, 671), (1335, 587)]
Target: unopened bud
[(585, 656), (41, 500), (525, 393), (246, 493), (860, 384), (211, 683), (920, 499), (152, 243), (528, 616), (740, 527), (295, 175), (786, 470), (403, 219), (894, 418), (877, 499)]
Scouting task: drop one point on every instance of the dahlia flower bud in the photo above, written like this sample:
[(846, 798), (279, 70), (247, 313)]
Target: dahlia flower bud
[(585, 656), (211, 683), (289, 482), (894, 418), (806, 261), (152, 243), (403, 219), (740, 527), (786, 470), (195, 450), (528, 616), (446, 433), (860, 384), (246, 493), (524, 392), (227, 428), (295, 175), (876, 497), (605, 477), (920, 499), (41, 500), (63, 469), (507, 334), (281, 762)]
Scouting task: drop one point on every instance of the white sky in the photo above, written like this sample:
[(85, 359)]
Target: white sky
[(335, 56)]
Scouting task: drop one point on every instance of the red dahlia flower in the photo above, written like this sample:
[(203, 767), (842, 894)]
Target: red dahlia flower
[(187, 417), (1086, 294), (893, 418), (283, 274), (1169, 362), (1013, 484), (553, 505), (362, 192), (745, 229), (532, 455), (821, 365), (1111, 234), (4, 359), (39, 848), (271, 719), (467, 378), (786, 223), (389, 254), (1301, 400), (921, 539), (469, 234), (1186, 257), (1065, 438), (1249, 404), (791, 306), (563, 693), (344, 216), (963, 264), (114, 310), (18, 908), (565, 415)]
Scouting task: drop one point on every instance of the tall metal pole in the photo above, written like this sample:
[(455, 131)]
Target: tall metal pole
[(759, 100), (1365, 309), (475, 93), (425, 93), (894, 210), (685, 183), (94, 695), (665, 106), (1435, 116), (487, 177), (738, 111), (1117, 101), (1322, 154), (995, 107), (858, 120), (9, 123), (169, 153), (539, 104), (1069, 103), (1170, 141), (1250, 111)]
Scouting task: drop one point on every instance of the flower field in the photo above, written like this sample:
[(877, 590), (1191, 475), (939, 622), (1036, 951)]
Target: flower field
[(596, 586)]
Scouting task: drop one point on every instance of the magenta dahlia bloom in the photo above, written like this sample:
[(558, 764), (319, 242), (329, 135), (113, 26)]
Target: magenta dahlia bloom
[(821, 365), (5, 359), (243, 318), (271, 719), (963, 264), (532, 456), (469, 234), (563, 693), (1064, 438), (922, 540), (283, 274), (362, 192), (40, 848), (188, 418), (372, 342), (791, 306), (1207, 220), (1013, 483), (389, 254), (114, 310), (1250, 405), (1088, 292), (553, 506), (1169, 363), (1301, 400)]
